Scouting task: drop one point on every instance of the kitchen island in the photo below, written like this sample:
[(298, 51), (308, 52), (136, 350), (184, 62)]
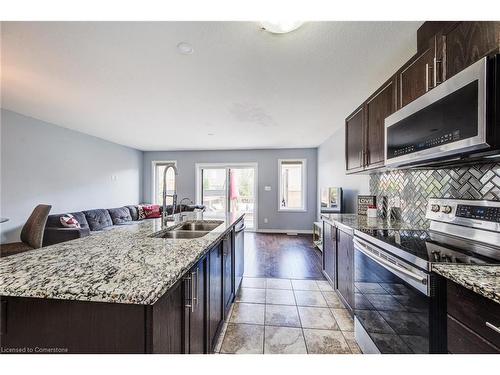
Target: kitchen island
[(124, 290)]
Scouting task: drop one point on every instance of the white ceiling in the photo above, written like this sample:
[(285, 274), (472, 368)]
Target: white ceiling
[(127, 83)]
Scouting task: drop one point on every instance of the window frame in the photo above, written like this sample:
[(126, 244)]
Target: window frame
[(154, 165), (304, 185)]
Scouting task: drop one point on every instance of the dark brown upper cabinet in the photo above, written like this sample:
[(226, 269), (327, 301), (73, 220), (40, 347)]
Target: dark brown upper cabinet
[(378, 107), (417, 76), (365, 129), (354, 143), (468, 42), (444, 49)]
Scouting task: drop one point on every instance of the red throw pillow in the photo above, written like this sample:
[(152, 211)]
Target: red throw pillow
[(151, 211)]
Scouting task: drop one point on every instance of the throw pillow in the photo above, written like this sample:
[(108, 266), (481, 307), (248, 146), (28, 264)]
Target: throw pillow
[(140, 213), (69, 221), (152, 211)]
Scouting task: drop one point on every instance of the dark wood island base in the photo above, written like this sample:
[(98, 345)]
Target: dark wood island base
[(186, 319)]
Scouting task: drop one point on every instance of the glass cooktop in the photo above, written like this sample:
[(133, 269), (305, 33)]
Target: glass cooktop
[(437, 248)]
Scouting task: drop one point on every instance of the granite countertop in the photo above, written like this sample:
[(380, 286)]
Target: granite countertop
[(360, 222), (122, 265), (482, 279)]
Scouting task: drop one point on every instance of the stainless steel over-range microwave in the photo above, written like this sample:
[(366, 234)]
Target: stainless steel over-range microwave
[(457, 118)]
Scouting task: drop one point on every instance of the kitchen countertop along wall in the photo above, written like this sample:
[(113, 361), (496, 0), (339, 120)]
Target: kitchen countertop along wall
[(484, 280)]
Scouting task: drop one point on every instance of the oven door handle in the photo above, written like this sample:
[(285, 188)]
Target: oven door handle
[(386, 264)]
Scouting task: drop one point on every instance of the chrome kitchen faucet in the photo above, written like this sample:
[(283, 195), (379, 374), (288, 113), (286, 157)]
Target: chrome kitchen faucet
[(164, 214)]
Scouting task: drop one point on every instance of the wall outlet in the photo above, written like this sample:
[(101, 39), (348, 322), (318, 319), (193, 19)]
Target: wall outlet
[(267, 188), (266, 220)]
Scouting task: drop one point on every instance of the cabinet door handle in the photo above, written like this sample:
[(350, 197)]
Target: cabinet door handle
[(361, 158), (493, 327), (195, 287), (189, 305), (193, 292)]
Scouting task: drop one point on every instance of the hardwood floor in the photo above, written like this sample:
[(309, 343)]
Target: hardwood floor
[(281, 256)]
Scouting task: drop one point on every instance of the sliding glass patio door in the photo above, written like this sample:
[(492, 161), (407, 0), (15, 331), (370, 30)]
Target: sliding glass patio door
[(228, 187)]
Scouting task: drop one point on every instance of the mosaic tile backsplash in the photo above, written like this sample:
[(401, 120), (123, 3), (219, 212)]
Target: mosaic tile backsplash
[(414, 187)]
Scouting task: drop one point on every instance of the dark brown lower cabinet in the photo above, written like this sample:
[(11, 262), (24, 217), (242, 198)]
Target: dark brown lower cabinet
[(228, 270), (37, 325), (330, 253), (216, 310), (166, 321), (345, 268), (473, 322), (196, 310)]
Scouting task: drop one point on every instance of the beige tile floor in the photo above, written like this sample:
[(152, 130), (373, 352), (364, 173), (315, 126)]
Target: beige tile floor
[(282, 316)]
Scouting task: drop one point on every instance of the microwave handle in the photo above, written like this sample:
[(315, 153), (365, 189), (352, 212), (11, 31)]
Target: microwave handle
[(428, 77), (435, 71), (386, 264)]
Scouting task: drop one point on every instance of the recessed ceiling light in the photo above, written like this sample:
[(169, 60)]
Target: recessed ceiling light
[(280, 27), (185, 48), (210, 134)]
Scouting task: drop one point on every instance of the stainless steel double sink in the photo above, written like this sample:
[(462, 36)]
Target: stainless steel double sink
[(189, 230)]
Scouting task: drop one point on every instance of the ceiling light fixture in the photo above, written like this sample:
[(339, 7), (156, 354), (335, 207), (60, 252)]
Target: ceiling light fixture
[(280, 27), (185, 48)]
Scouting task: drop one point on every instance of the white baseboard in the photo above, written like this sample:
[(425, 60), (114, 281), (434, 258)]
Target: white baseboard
[(285, 231)]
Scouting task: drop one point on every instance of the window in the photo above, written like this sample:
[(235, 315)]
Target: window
[(292, 185), (228, 187), (159, 168)]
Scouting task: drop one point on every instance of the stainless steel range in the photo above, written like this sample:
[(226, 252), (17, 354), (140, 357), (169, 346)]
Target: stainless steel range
[(398, 300)]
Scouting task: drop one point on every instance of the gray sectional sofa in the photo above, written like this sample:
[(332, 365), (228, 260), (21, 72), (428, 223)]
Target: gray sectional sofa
[(97, 220)]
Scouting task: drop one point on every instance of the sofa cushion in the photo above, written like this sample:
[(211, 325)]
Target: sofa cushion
[(98, 219), (54, 221), (120, 215), (134, 213)]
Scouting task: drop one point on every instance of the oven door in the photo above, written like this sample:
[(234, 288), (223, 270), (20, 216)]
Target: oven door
[(448, 120), (392, 303)]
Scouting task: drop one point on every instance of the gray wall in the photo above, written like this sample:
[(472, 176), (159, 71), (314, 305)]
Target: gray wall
[(44, 163), (331, 171), (267, 161)]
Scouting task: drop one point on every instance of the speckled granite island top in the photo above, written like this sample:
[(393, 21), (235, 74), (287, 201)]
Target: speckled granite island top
[(484, 280), (360, 222), (122, 265)]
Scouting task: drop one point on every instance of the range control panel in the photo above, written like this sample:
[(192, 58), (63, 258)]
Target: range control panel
[(479, 212), (471, 213)]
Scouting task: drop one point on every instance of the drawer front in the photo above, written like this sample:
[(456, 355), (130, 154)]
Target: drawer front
[(461, 340), (478, 313)]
